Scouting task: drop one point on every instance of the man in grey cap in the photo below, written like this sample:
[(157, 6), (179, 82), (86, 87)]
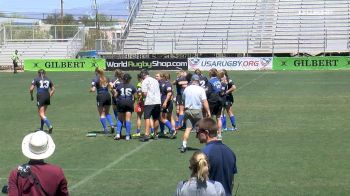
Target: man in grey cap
[(195, 99)]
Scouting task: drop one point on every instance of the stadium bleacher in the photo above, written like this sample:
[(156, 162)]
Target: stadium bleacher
[(239, 26), (38, 48)]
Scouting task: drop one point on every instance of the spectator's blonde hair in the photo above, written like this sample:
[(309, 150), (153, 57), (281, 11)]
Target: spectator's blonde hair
[(199, 166)]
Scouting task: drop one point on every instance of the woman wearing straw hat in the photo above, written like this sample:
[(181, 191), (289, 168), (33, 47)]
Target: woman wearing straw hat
[(199, 183), (37, 178)]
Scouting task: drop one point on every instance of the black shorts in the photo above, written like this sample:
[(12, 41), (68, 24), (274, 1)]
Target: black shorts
[(169, 107), (15, 64), (179, 100), (151, 110), (215, 108), (103, 99), (114, 101), (125, 106), (229, 100), (43, 99)]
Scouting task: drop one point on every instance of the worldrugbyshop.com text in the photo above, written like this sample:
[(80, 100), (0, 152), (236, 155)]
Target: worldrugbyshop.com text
[(145, 64)]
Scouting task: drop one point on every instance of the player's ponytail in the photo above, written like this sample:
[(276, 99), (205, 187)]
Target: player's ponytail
[(102, 77), (199, 166)]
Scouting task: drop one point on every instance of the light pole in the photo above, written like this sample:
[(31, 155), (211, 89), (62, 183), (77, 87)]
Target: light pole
[(61, 19)]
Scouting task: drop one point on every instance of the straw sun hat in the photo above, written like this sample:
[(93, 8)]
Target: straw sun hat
[(38, 145)]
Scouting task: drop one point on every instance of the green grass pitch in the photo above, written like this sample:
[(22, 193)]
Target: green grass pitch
[(293, 138)]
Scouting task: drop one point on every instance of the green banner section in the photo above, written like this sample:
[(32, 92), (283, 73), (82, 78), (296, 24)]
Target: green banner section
[(311, 63), (64, 64)]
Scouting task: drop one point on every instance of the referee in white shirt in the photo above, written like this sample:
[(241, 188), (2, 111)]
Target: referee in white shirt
[(151, 92), (195, 99)]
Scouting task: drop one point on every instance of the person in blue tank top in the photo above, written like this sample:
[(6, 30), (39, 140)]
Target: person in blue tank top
[(125, 93), (45, 90), (101, 85)]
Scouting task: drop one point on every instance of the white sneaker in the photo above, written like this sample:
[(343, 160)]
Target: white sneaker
[(117, 137), (127, 137)]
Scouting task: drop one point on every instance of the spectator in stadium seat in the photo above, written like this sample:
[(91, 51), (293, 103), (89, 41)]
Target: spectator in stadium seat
[(15, 60), (221, 158), (44, 90), (150, 90), (125, 93), (102, 85), (199, 183), (37, 178), (195, 99)]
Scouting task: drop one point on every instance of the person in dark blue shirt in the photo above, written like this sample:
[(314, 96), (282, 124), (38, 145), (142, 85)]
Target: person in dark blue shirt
[(124, 94), (202, 79), (229, 88), (180, 83), (216, 97), (118, 74), (166, 92), (45, 90), (221, 158), (101, 85)]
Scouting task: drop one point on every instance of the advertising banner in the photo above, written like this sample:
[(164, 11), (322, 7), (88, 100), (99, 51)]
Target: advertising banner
[(150, 64), (88, 64), (243, 63), (311, 63)]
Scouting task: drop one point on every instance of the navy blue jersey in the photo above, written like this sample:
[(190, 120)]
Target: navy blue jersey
[(125, 91), (99, 87), (230, 84), (224, 88), (165, 87), (115, 82), (42, 84), (179, 88), (215, 82), (203, 80)]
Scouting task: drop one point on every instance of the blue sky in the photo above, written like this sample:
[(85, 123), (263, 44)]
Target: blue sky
[(46, 5)]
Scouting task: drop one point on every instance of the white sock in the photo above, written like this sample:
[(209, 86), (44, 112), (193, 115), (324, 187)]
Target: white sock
[(184, 144)]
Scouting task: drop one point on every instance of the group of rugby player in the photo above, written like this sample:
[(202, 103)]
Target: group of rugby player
[(128, 98)]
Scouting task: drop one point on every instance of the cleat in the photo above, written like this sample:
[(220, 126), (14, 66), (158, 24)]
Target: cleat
[(127, 138), (50, 129), (183, 149), (156, 137), (112, 129), (117, 137), (173, 135), (136, 135), (145, 138), (225, 129)]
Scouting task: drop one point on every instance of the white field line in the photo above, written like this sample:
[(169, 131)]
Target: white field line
[(107, 167), (250, 82)]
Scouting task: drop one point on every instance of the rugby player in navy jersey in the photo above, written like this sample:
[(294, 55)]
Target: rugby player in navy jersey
[(101, 85), (230, 88), (118, 74), (166, 92), (202, 79), (125, 93), (45, 90), (180, 83), (215, 98)]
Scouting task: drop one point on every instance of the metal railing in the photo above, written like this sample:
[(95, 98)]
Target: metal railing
[(321, 43), (135, 8), (39, 32)]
